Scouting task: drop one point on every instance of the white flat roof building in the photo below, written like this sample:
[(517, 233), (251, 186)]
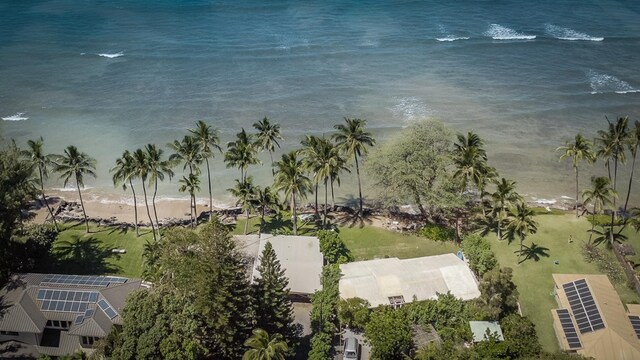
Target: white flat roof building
[(393, 281), (299, 256)]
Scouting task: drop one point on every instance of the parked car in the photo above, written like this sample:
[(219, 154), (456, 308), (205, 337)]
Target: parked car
[(351, 348)]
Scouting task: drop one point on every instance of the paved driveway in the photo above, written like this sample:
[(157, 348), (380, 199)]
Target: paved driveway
[(365, 349)]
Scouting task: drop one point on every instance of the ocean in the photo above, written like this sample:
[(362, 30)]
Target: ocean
[(113, 75)]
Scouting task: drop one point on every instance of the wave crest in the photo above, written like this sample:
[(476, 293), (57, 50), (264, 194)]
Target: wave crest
[(569, 34), (112, 55), (16, 117), (452, 38), (603, 83), (499, 32)]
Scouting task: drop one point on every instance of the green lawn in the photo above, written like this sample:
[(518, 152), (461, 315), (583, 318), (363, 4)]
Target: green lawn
[(534, 280), (91, 252)]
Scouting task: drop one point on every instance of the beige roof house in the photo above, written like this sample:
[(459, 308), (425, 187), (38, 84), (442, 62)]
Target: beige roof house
[(393, 281), (299, 256), (592, 320), (58, 314)]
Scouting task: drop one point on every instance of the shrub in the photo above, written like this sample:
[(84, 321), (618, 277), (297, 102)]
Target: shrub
[(478, 250), (606, 263), (437, 232)]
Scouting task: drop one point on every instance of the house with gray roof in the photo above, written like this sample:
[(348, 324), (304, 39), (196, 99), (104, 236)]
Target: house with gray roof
[(56, 314)]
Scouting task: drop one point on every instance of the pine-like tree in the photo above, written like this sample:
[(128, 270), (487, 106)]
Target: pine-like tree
[(274, 312)]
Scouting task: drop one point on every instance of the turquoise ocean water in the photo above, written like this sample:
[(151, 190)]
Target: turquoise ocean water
[(114, 75)]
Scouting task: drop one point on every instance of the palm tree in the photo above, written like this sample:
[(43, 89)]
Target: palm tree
[(320, 158), (578, 150), (208, 139), (470, 158), (486, 175), (607, 235), (352, 139), (634, 142), (337, 165), (504, 197), (521, 223), (612, 145), (534, 252), (140, 170), (187, 152), (267, 137), (265, 199), (36, 157), (241, 153), (123, 173), (245, 193), (76, 164), (191, 184), (157, 168), (600, 195), (290, 179), (265, 347)]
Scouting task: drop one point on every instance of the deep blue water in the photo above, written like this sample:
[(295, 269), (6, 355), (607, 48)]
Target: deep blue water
[(115, 75)]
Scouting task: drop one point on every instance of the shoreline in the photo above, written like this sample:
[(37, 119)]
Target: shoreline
[(113, 209)]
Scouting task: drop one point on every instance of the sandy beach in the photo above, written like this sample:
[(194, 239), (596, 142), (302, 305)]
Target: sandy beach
[(119, 208)]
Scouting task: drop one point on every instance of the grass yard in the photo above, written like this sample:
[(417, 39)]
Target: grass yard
[(91, 253), (534, 280)]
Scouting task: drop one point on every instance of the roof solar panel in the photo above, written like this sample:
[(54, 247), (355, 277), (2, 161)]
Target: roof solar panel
[(106, 307), (79, 319), (569, 330), (583, 306), (635, 323), (84, 280)]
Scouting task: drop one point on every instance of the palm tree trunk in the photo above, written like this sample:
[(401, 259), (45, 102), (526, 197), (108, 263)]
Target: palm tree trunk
[(273, 171), (593, 223), (577, 189), (316, 207), (633, 166), (82, 204), (246, 224), (333, 198), (613, 214), (261, 220), (210, 196), (153, 202), (135, 208), (146, 203), (359, 184), (521, 243), (295, 215), (193, 211), (326, 200), (44, 198)]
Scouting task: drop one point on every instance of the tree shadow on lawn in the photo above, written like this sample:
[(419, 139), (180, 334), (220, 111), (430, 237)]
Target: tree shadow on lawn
[(83, 256), (349, 215)]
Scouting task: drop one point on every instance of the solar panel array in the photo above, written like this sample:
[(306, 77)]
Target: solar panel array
[(583, 306), (635, 322), (82, 280), (569, 329), (82, 317), (66, 300), (106, 307)]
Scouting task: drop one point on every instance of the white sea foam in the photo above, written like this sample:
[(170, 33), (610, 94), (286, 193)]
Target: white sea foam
[(70, 189), (452, 38), (499, 32), (569, 34), (410, 109), (566, 197), (16, 117), (112, 55), (545, 201), (603, 83)]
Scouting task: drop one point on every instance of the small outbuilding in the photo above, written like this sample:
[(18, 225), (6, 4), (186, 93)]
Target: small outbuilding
[(481, 328)]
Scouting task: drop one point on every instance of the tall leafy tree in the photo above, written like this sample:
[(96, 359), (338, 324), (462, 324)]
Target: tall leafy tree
[(267, 137), (390, 333), (274, 311), (245, 193), (354, 140), (291, 180), (470, 158), (241, 153), (265, 347), (75, 164), (40, 161), (578, 150), (209, 141), (612, 147), (498, 293), (520, 223), (265, 199), (504, 197), (158, 169), (321, 158), (634, 142), (123, 174), (600, 195), (188, 153), (141, 171), (191, 184)]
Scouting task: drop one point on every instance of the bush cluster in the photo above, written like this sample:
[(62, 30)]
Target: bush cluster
[(437, 232), (478, 251), (605, 262)]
